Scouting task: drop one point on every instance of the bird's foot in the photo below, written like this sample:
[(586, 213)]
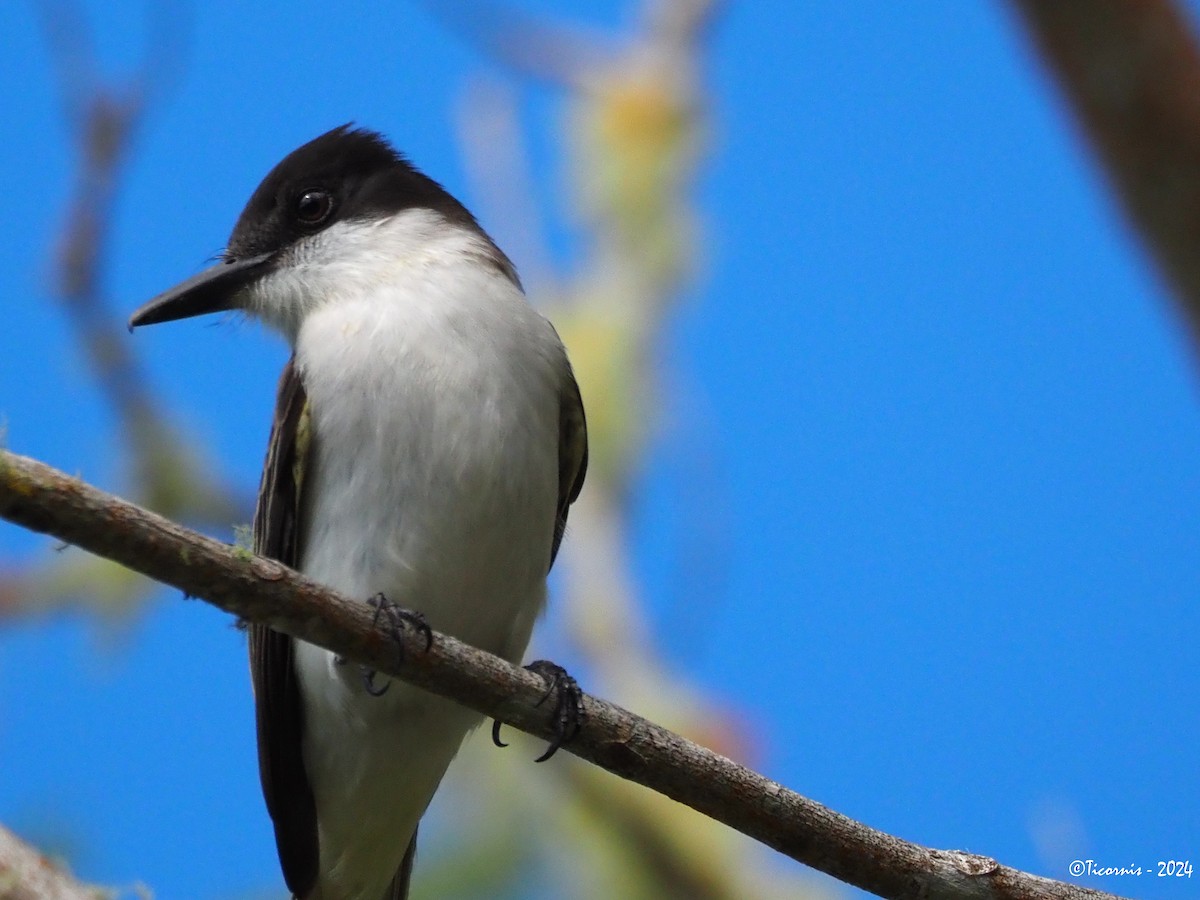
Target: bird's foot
[(568, 706), (396, 620)]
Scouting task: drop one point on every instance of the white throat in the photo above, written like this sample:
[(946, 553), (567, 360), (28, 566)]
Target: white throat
[(362, 258)]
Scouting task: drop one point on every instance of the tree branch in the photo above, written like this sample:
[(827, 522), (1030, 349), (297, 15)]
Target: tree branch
[(1131, 72), (25, 874), (43, 499)]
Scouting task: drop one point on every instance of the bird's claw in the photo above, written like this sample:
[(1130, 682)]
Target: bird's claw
[(396, 620), (368, 678), (568, 706), (399, 618)]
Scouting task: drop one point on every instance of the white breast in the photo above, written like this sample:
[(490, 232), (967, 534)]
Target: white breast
[(433, 390), (436, 441)]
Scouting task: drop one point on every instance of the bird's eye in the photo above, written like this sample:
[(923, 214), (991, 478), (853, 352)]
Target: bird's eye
[(314, 207)]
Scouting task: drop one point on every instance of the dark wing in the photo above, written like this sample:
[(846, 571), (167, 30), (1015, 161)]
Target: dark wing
[(279, 714), (572, 454), (398, 889)]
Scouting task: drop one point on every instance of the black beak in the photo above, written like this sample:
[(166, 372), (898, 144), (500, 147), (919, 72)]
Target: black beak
[(213, 290)]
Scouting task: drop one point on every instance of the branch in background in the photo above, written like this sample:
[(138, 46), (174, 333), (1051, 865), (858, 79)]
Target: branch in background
[(168, 473), (104, 120), (633, 129), (25, 874), (1131, 72), (43, 499)]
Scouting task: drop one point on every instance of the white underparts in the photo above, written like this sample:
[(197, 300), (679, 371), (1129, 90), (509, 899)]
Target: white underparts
[(434, 395)]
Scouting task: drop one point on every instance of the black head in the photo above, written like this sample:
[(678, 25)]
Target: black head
[(345, 175)]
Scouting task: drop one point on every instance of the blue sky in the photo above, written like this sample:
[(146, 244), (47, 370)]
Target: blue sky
[(948, 431)]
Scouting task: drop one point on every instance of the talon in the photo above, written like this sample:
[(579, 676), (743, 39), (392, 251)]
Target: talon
[(496, 723), (368, 677), (398, 619), (568, 707)]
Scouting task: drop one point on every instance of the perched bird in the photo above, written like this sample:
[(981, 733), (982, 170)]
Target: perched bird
[(428, 440)]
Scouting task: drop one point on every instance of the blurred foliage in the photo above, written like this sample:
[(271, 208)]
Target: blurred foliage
[(635, 131), (168, 471)]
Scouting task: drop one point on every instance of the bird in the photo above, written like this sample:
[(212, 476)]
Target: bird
[(428, 440)]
